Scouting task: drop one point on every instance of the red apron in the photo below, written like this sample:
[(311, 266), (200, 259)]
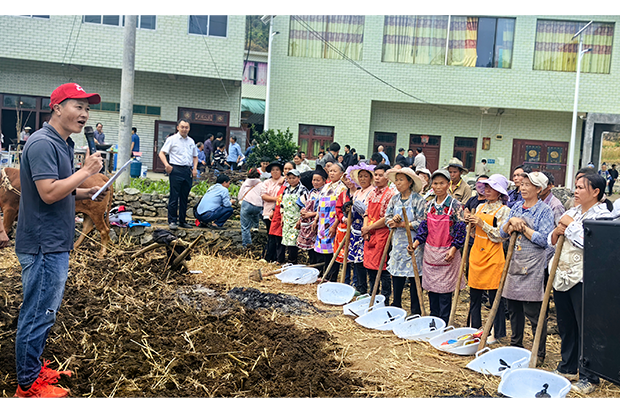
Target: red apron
[(373, 248), (276, 220), (439, 275)]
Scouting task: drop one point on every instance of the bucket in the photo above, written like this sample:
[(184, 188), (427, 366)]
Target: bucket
[(464, 348), (533, 383), (360, 306), (298, 275), (382, 318), (335, 293), (135, 168), (499, 360), (420, 328), (143, 171)]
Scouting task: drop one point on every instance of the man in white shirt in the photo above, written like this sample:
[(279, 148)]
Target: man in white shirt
[(183, 155), (420, 159), (383, 154)]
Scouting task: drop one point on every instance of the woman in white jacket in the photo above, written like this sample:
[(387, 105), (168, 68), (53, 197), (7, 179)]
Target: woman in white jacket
[(568, 281)]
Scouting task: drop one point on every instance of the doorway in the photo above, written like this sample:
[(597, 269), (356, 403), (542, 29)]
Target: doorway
[(199, 131), (541, 156), (430, 145), (465, 150), (388, 141)]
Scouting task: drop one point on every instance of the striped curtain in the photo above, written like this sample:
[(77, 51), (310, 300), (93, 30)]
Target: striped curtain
[(554, 49), (463, 40), (415, 39), (308, 34)]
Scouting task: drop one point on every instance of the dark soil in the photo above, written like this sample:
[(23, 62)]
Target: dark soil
[(129, 328)]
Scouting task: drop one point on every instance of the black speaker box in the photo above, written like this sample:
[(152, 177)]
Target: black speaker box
[(600, 341)]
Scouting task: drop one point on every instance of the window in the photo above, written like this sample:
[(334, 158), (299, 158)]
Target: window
[(457, 40), (137, 109), (556, 51), (465, 150), (22, 102), (326, 37), (255, 73), (313, 139), (144, 22), (208, 25), (35, 16)]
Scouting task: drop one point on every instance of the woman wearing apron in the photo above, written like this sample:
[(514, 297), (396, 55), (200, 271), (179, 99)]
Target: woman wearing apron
[(269, 195), (408, 185), (341, 215), (290, 214), (524, 288), (363, 176), (309, 203), (274, 239), (486, 258), (568, 282), (326, 221), (443, 233), (375, 233)]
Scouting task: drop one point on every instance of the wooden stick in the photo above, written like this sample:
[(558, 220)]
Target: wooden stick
[(347, 240), (181, 257), (329, 267), (545, 303), (498, 294), (457, 289), (378, 277), (147, 249), (416, 273)]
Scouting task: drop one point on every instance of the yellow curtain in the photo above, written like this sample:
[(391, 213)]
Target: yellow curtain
[(463, 40), (503, 54), (308, 35), (556, 51), (415, 39)]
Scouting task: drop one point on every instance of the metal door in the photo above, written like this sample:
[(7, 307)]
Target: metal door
[(162, 129)]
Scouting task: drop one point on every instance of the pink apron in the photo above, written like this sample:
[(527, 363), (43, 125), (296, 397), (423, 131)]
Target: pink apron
[(439, 275)]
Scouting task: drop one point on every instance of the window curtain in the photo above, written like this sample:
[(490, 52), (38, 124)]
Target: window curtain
[(555, 51), (344, 33), (504, 40), (261, 74), (462, 43), (415, 39)]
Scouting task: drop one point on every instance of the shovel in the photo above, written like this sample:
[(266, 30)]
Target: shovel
[(457, 289), (545, 303), (378, 277), (347, 241), (416, 272), (498, 295)]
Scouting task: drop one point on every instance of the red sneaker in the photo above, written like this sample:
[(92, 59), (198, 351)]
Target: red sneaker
[(41, 388), (51, 376)]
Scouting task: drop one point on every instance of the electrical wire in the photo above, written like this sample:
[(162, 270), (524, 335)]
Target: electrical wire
[(209, 50), (77, 36), (69, 40)]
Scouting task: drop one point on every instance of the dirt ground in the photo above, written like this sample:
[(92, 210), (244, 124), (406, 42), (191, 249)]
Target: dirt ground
[(131, 328)]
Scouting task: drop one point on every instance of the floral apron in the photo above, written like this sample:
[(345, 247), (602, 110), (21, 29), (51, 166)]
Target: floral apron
[(327, 215), (307, 235), (290, 216)]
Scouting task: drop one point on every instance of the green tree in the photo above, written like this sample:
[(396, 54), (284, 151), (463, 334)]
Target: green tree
[(272, 145), (257, 34)]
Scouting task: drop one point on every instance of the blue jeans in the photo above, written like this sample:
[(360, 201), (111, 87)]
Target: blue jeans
[(43, 282), (218, 217), (250, 217)]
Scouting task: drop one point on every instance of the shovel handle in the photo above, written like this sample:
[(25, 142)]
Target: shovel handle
[(545, 303), (498, 295), (416, 272), (457, 289), (347, 242), (331, 263), (378, 277)]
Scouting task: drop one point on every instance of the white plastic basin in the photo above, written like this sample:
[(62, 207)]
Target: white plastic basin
[(298, 275), (530, 383), (499, 360), (451, 333), (420, 328), (382, 318), (335, 293), (360, 306)]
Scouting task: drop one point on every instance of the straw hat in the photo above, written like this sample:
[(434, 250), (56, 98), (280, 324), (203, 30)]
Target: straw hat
[(355, 170), (456, 162), (417, 181)]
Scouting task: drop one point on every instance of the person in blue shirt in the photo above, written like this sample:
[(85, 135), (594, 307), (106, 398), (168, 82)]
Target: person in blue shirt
[(202, 158), (135, 141), (383, 154), (234, 153), (215, 206), (249, 151)]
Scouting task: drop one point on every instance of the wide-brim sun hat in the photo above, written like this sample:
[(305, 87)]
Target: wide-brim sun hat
[(423, 171), (456, 162), (496, 181), (538, 179), (272, 164), (356, 169), (417, 181)]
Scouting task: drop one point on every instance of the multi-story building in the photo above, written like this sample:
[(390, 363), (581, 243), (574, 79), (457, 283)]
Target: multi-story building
[(500, 88), (254, 90), (187, 67)]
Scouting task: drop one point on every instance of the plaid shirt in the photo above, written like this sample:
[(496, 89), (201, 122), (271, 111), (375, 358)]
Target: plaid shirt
[(539, 218)]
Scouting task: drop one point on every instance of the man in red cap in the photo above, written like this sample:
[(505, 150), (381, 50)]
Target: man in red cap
[(45, 230)]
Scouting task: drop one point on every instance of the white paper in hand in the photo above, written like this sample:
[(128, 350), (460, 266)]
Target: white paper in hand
[(111, 180)]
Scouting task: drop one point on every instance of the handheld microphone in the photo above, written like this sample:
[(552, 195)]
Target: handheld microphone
[(90, 138)]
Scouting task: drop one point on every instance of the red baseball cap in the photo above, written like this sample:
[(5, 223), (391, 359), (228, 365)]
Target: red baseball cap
[(72, 91)]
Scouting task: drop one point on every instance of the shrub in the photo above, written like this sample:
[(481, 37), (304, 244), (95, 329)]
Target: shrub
[(272, 145)]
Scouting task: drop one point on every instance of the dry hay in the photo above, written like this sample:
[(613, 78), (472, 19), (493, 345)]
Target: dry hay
[(126, 331)]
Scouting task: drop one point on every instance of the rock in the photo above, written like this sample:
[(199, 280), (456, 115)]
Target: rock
[(181, 233), (190, 214), (113, 236), (161, 212), (149, 229), (193, 235), (139, 212), (149, 208), (131, 191), (150, 214), (562, 194), (118, 203), (210, 236), (160, 205), (146, 239), (135, 205), (131, 198), (146, 197)]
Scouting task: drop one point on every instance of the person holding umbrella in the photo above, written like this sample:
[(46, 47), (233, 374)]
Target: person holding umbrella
[(408, 185), (443, 233), (524, 285), (486, 258), (568, 281)]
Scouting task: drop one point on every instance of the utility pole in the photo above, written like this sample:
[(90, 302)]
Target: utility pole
[(126, 109)]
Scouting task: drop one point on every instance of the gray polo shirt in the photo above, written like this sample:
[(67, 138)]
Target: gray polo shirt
[(50, 228)]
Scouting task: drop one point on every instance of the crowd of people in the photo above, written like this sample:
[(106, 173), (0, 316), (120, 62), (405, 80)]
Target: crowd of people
[(309, 210)]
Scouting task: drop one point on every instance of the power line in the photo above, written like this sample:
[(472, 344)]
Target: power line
[(209, 50), (69, 40), (345, 57)]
